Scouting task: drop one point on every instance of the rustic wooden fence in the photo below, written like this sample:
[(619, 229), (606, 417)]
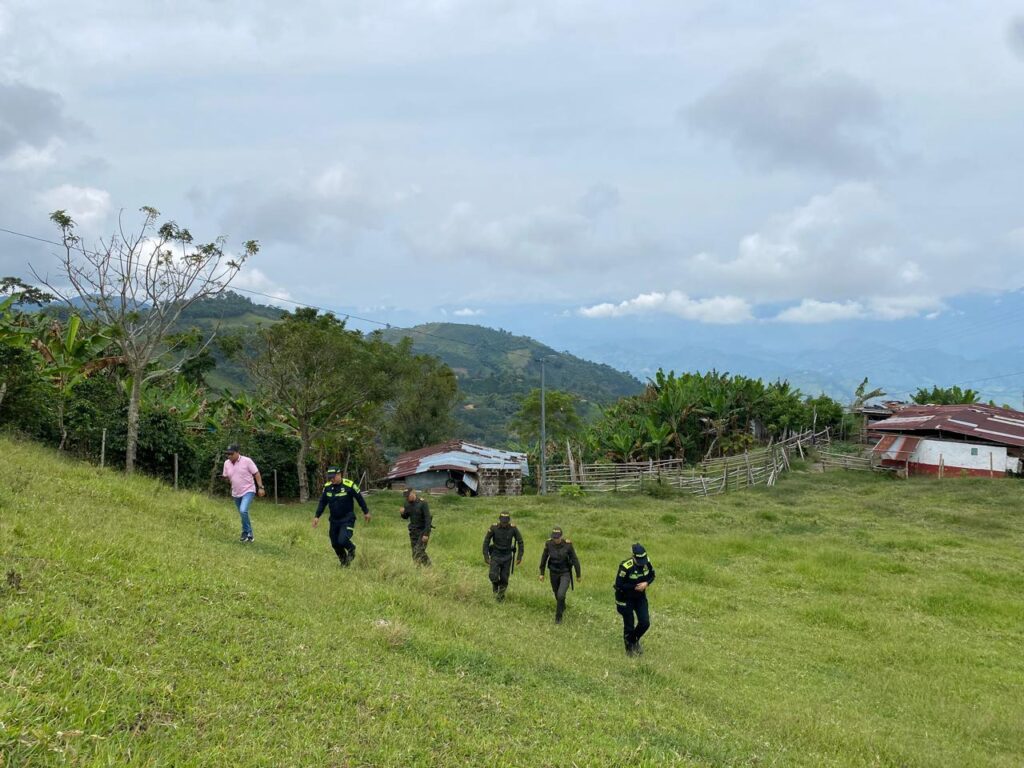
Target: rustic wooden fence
[(832, 460), (761, 466)]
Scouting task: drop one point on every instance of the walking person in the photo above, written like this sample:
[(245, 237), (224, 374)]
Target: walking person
[(634, 577), (503, 546), (417, 512), (246, 483), (559, 557), (341, 495)]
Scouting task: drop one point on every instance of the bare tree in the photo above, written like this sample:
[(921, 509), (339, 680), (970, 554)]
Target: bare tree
[(139, 282)]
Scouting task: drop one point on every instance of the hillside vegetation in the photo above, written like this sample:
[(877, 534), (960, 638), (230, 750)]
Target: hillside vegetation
[(497, 368), (837, 619)]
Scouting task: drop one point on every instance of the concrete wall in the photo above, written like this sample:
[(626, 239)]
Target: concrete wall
[(957, 458)]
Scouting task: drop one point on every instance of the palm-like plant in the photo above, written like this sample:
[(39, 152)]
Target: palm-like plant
[(69, 357)]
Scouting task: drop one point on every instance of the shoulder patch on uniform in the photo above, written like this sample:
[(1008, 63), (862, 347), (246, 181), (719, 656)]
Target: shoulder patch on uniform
[(627, 563), (568, 541)]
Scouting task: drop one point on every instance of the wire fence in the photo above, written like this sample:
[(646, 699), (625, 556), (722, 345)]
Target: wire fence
[(761, 466)]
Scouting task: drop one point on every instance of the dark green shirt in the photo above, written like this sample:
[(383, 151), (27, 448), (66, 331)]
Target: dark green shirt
[(419, 517), (559, 557), (499, 539)]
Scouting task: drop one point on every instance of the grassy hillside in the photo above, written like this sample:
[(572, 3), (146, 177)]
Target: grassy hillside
[(496, 368), (835, 619)]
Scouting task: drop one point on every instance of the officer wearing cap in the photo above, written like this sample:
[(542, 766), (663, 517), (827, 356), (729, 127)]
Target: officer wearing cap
[(421, 523), (503, 543), (559, 557), (341, 495), (635, 575)]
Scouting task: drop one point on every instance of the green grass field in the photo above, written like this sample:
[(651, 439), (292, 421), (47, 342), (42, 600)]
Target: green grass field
[(837, 619)]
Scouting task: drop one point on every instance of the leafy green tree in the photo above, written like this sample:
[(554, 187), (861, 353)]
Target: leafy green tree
[(946, 396), (422, 411), (323, 380), (23, 293), (562, 419)]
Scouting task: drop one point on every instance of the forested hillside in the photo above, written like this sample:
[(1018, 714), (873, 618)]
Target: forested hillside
[(496, 369)]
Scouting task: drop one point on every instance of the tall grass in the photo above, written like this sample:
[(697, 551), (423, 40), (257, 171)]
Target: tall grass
[(836, 619)]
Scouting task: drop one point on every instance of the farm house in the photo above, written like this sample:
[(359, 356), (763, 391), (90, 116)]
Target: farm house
[(466, 468), (975, 440)]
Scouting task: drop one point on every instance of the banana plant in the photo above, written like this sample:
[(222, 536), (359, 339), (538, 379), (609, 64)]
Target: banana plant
[(69, 357)]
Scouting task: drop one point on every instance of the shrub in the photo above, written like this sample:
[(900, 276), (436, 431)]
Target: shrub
[(659, 489), (571, 492)]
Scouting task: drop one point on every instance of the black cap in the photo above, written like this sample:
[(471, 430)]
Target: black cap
[(332, 471), (233, 448), (504, 516), (556, 533), (639, 551)]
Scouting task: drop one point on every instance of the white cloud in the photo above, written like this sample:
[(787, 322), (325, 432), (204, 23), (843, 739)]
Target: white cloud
[(28, 157), (468, 312), (717, 309), (88, 206), (253, 279), (813, 311)]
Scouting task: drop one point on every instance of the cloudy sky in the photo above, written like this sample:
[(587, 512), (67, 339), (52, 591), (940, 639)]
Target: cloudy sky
[(698, 163)]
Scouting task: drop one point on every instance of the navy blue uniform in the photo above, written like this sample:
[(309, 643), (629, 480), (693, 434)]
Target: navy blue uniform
[(630, 603), (341, 499)]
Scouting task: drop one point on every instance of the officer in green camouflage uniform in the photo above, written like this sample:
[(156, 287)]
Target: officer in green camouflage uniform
[(559, 556), (503, 543), (417, 512)]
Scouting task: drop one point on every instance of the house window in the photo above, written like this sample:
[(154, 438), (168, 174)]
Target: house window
[(974, 451)]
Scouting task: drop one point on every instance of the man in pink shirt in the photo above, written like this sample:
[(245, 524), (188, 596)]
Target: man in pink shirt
[(246, 482)]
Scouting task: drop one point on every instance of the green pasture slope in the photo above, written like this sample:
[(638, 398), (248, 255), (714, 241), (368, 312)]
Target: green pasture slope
[(838, 619)]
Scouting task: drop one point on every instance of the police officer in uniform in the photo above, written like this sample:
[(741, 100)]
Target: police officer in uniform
[(417, 512), (635, 575), (559, 556), (503, 543), (341, 495)]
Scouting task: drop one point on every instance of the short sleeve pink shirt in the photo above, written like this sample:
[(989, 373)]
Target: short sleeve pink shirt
[(241, 475)]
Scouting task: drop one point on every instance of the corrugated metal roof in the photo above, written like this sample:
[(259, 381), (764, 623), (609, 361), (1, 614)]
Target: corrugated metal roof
[(456, 455), (896, 447), (982, 422)]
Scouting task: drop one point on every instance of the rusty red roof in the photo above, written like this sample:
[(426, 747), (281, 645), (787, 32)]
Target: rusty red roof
[(982, 422), (456, 455)]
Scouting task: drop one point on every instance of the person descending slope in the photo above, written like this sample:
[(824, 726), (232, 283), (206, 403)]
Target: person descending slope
[(635, 575), (503, 544), (559, 557), (341, 495), (417, 512)]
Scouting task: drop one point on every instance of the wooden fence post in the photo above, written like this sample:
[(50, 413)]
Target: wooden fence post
[(991, 466), (175, 471), (275, 487), (103, 448)]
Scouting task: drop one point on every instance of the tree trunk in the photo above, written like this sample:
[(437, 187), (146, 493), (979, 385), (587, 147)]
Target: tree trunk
[(132, 439), (300, 460), (3, 391), (61, 424)]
